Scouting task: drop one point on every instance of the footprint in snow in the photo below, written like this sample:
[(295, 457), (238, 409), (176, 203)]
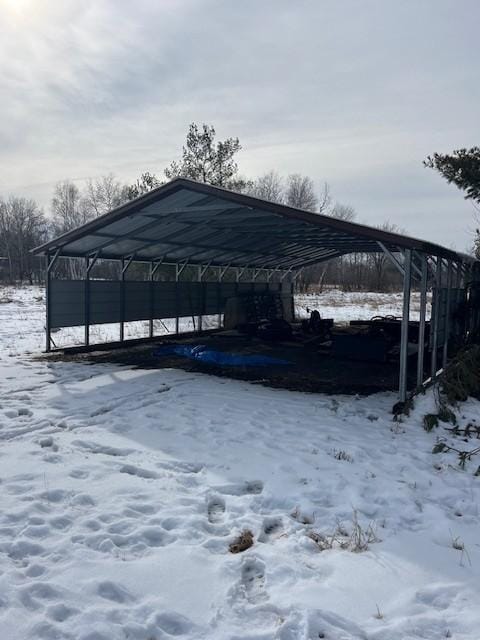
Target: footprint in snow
[(100, 411), (114, 592), (37, 595), (139, 472), (80, 474), (253, 580), (35, 571), (127, 545), (24, 397), (181, 467), (60, 612), (271, 528), (23, 411), (173, 624), (215, 509), (94, 447), (48, 442), (252, 487)]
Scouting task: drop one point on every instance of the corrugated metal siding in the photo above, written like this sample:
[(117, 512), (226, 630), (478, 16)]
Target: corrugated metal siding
[(67, 303), (104, 302), (458, 298), (141, 300)]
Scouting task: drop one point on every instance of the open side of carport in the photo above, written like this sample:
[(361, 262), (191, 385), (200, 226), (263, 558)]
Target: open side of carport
[(236, 243)]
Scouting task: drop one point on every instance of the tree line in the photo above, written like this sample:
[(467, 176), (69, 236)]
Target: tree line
[(23, 225)]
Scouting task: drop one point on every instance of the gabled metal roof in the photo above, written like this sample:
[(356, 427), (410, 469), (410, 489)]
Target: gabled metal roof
[(187, 220)]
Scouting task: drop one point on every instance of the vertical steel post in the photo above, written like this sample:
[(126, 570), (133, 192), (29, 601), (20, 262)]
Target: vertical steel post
[(87, 301), (47, 302), (434, 322), (219, 297), (122, 301), (150, 327), (421, 324), (402, 390), (51, 261), (200, 317), (447, 313), (456, 329), (177, 321), (154, 266), (89, 264), (292, 299), (221, 272), (238, 275)]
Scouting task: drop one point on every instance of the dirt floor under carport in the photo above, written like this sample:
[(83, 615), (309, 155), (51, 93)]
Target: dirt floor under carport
[(312, 369)]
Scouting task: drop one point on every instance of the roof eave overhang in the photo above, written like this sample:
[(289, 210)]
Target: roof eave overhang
[(392, 240)]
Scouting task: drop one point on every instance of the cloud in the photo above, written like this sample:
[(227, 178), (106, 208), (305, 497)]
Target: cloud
[(353, 93)]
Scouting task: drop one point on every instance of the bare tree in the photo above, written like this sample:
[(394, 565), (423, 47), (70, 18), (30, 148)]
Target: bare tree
[(325, 200), (102, 195), (22, 227), (300, 192), (68, 208), (321, 273), (343, 212), (269, 186)]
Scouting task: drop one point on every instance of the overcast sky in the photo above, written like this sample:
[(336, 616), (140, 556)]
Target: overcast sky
[(353, 92)]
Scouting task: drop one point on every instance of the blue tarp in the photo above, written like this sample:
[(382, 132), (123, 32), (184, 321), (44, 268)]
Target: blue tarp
[(202, 354)]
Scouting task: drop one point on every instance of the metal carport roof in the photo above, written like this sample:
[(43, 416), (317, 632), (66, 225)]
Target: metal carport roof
[(185, 220)]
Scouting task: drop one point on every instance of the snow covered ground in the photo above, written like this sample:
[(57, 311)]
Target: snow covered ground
[(121, 491)]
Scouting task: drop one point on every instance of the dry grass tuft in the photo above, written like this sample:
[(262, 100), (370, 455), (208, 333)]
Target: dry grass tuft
[(355, 539), (242, 543), (342, 455)]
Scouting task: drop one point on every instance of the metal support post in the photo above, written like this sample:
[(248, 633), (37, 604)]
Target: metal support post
[(405, 326), (285, 274), (271, 273), (154, 266), (47, 303), (435, 320), (219, 296), (256, 273), (221, 272), (240, 272), (87, 303), (179, 269), (177, 320), (421, 325), (125, 265), (203, 270), (150, 324), (447, 313), (89, 264), (50, 260), (122, 299), (200, 317)]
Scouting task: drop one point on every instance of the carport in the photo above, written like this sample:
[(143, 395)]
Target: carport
[(237, 243)]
